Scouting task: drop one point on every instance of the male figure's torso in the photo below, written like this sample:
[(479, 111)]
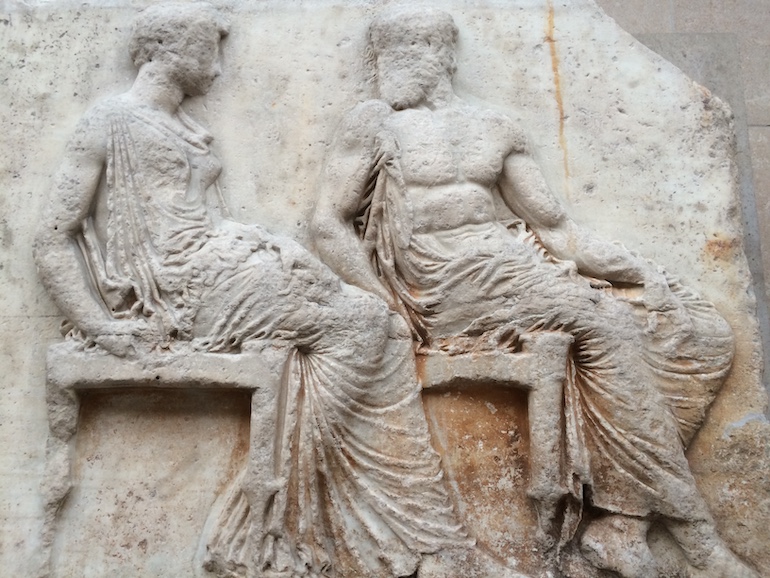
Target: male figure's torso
[(450, 158)]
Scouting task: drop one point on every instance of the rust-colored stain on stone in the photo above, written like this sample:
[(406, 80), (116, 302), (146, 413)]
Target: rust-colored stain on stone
[(482, 436), (721, 248), (550, 38)]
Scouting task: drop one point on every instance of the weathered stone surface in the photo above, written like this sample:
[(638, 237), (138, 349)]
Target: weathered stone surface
[(148, 466), (632, 149), (413, 174), (641, 17), (759, 138), (746, 24), (745, 20)]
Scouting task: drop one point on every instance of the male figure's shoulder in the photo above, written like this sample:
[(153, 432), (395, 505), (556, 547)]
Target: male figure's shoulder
[(503, 127), (363, 122)]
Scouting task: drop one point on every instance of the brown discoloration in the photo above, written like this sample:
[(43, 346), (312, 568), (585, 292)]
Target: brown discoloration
[(550, 38), (721, 248), (420, 366), (482, 436), (745, 448)]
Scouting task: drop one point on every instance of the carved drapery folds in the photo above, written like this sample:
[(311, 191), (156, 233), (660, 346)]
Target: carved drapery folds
[(421, 284)]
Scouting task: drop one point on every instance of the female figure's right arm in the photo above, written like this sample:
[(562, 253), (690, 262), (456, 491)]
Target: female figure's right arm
[(56, 249)]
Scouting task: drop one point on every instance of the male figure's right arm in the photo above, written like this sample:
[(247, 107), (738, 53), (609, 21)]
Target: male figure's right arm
[(56, 250), (347, 170)]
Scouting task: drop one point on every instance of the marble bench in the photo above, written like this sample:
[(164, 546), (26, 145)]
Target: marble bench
[(539, 368)]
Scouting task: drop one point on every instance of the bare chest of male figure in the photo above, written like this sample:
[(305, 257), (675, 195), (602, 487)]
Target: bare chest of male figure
[(450, 159)]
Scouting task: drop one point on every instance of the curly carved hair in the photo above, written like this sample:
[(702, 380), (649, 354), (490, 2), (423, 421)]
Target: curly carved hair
[(172, 27)]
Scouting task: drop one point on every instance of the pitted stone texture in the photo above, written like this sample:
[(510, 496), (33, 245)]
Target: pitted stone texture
[(406, 210), (630, 154), (760, 155), (148, 466)]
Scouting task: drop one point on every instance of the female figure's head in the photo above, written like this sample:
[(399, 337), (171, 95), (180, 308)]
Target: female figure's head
[(183, 40)]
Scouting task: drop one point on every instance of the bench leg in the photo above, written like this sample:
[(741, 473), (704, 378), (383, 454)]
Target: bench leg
[(546, 425), (63, 408), (241, 527)]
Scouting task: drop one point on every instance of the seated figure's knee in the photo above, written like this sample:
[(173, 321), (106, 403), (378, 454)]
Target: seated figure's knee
[(367, 321), (398, 327)]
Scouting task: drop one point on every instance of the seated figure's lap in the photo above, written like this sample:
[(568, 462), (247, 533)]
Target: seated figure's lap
[(575, 307), (284, 292)]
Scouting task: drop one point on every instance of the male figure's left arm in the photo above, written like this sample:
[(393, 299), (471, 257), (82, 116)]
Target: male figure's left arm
[(525, 191)]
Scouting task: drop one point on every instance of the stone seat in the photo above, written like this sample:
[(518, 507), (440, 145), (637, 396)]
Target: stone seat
[(542, 355), (70, 368), (540, 369)]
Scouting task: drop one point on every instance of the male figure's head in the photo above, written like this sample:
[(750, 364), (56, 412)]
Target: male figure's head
[(411, 51)]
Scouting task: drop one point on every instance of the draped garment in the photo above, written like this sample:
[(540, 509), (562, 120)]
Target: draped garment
[(357, 489), (639, 382)]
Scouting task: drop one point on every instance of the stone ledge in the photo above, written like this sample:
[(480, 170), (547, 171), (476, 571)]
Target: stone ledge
[(541, 360), (72, 368), (439, 369), (69, 368)]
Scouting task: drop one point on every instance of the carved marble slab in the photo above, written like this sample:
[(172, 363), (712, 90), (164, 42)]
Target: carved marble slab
[(454, 368)]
